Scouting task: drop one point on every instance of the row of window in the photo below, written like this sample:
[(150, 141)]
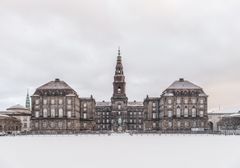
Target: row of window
[(107, 121), (186, 124), (180, 100), (60, 102), (180, 114), (53, 114), (58, 124)]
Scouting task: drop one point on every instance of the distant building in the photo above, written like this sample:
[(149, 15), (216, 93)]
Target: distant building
[(22, 114), (9, 124), (230, 123), (57, 108), (181, 107)]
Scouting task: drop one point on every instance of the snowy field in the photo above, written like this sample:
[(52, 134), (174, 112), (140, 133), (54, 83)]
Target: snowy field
[(118, 151)]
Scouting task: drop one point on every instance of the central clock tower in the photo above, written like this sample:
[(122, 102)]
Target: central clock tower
[(119, 99)]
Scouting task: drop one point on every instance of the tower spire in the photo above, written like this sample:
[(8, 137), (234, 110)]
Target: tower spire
[(119, 52), (28, 100)]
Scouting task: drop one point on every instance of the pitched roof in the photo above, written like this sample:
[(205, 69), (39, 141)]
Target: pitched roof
[(17, 107), (56, 84), (183, 84)]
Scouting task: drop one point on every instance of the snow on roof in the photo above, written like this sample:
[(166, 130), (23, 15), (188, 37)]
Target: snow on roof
[(17, 107), (135, 103), (183, 84), (103, 103), (56, 84)]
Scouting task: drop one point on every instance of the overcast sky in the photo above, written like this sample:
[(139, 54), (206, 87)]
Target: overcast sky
[(161, 41)]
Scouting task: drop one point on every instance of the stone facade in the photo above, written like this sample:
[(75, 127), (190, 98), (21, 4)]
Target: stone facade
[(9, 125), (22, 114), (57, 108), (181, 107)]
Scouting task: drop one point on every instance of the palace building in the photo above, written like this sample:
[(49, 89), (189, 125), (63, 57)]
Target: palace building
[(57, 108)]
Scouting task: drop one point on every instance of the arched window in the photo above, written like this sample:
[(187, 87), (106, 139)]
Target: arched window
[(194, 113), (119, 90), (178, 112), (185, 111)]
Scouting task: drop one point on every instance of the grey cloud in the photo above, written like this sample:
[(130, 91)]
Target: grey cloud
[(160, 40)]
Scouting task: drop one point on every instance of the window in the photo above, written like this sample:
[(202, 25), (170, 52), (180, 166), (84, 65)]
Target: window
[(60, 101), (169, 101), (44, 124), (60, 111), (202, 124), (45, 114), (84, 115), (52, 112), (52, 124), (154, 104), (45, 101), (186, 112), (170, 114), (178, 112), (85, 105), (193, 100), (36, 125), (52, 101), (154, 125), (154, 115), (119, 90), (194, 112), (185, 101), (84, 109), (186, 124), (169, 124), (201, 113), (37, 114), (84, 125), (37, 101), (178, 124), (119, 107), (201, 101), (60, 124), (25, 125), (194, 124), (69, 101), (69, 114), (178, 100)]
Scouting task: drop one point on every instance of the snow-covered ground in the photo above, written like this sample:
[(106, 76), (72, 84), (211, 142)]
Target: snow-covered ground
[(118, 151)]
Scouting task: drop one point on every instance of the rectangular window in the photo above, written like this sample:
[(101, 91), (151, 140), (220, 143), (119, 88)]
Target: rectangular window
[(69, 101), (178, 100), (84, 115), (154, 104), (170, 114), (60, 101), (154, 115), (201, 113), (52, 101), (45, 101), (37, 114), (37, 101), (69, 114)]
